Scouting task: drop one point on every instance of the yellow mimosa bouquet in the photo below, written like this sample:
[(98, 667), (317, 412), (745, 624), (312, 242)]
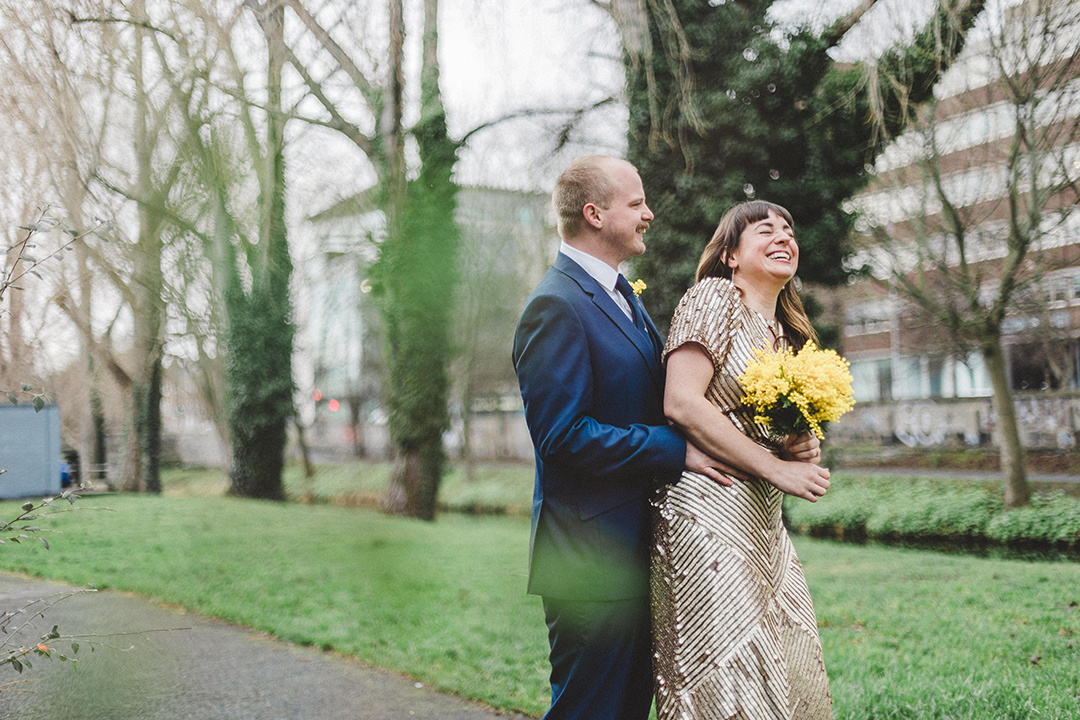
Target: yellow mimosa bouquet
[(799, 392)]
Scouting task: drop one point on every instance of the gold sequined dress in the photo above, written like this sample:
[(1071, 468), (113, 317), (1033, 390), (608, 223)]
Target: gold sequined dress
[(734, 628)]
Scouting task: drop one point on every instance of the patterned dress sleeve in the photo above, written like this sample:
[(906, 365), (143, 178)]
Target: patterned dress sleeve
[(705, 316)]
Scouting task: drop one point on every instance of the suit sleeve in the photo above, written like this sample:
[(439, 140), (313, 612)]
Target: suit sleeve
[(555, 372)]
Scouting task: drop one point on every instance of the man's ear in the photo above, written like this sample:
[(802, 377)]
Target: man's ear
[(593, 215)]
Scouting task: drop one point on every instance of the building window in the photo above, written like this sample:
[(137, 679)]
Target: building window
[(972, 380), (935, 371), (871, 380), (869, 318), (1058, 290)]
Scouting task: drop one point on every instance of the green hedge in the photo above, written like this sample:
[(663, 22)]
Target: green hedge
[(901, 509)]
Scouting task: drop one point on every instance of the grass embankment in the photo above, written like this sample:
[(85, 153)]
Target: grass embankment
[(907, 634), (918, 509), (494, 489)]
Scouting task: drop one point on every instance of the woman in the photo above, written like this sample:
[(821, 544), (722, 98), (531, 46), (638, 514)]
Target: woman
[(735, 634)]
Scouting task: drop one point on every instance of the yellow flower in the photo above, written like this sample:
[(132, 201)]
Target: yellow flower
[(797, 392), (638, 285)]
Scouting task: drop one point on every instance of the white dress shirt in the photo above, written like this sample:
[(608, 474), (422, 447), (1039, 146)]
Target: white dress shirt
[(601, 272)]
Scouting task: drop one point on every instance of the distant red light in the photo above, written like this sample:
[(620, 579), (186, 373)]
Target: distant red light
[(317, 395), (333, 405)]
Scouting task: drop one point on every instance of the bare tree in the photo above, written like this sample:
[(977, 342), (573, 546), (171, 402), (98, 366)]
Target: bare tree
[(416, 270), (60, 139), (987, 196)]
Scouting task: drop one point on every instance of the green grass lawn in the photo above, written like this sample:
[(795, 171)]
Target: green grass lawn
[(907, 633), (504, 488)]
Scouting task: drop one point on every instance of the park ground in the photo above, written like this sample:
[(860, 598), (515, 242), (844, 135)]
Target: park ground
[(907, 633)]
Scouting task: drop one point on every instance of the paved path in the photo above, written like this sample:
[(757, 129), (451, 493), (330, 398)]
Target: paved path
[(214, 671)]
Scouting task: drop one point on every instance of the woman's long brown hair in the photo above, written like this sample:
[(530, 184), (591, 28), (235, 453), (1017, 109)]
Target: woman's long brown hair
[(713, 263)]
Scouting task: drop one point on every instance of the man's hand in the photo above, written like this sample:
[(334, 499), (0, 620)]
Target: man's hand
[(804, 447), (710, 467)]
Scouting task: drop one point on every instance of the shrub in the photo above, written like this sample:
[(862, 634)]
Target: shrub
[(1053, 519), (913, 509)]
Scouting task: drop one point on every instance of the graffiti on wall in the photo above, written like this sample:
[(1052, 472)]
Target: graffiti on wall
[(919, 424), (1045, 420)]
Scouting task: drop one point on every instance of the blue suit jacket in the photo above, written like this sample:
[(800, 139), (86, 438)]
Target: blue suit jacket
[(593, 388)]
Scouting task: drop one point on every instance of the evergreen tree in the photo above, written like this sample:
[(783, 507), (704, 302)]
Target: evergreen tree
[(724, 106)]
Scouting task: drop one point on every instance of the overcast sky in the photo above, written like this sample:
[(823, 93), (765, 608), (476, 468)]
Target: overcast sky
[(500, 56), (503, 56)]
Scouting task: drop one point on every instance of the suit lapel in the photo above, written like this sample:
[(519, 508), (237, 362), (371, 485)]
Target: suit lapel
[(646, 346)]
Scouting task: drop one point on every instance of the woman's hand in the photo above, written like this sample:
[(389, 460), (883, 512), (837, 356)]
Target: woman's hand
[(804, 447), (805, 480)]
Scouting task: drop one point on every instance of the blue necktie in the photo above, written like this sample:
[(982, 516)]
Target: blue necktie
[(628, 292)]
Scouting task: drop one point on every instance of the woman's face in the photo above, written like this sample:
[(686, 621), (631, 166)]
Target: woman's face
[(767, 252)]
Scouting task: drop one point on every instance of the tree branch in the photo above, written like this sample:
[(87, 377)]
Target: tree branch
[(330, 45), (836, 32), (536, 112)]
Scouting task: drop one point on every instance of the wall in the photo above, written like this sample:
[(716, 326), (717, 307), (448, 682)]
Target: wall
[(29, 451), (1047, 420)]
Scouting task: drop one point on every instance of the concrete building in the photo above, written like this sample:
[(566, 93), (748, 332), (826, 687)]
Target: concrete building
[(912, 383), (507, 241)]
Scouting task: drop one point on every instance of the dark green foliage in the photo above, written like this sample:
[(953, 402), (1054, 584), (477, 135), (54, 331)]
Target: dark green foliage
[(258, 363), (1051, 519), (769, 115), (906, 509), (415, 275), (259, 385)]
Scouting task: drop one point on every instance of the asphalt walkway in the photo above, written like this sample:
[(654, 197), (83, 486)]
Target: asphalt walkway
[(212, 671)]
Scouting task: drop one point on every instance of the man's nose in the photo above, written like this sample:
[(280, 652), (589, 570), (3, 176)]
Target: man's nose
[(647, 213)]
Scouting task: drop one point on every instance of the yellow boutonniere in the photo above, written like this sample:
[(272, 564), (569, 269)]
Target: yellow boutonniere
[(637, 286)]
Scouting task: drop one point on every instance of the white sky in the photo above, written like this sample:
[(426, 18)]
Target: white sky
[(498, 56)]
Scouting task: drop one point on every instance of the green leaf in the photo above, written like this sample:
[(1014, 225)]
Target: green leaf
[(74, 648), (17, 665), (14, 400), (27, 388), (39, 403), (27, 507)]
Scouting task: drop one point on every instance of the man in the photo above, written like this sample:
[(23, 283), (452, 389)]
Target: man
[(587, 357)]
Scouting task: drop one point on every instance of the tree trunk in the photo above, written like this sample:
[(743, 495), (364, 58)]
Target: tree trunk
[(131, 479), (418, 265), (144, 466), (99, 456), (1017, 492), (355, 403), (259, 352), (92, 452), (466, 432)]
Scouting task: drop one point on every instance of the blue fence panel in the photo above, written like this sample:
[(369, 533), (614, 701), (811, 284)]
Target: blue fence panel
[(29, 451)]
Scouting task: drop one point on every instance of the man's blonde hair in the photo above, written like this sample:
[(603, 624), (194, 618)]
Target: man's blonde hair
[(585, 180)]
